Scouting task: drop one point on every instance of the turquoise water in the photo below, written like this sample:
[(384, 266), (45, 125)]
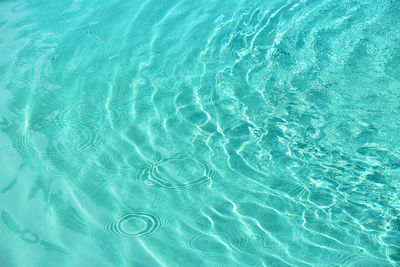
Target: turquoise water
[(199, 133)]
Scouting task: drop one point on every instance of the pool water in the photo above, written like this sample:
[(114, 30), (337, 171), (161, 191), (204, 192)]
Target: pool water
[(199, 133)]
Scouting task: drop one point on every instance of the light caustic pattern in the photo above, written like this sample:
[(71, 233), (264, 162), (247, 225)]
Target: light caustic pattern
[(200, 133)]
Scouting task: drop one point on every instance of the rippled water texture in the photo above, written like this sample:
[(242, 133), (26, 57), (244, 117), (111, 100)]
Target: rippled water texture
[(199, 133)]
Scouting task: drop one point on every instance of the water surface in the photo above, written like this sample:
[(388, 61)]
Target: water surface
[(199, 133)]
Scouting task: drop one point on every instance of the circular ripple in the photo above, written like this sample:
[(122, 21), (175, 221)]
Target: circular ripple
[(114, 115), (134, 225), (124, 158), (266, 242), (215, 242), (57, 167), (168, 172), (47, 139)]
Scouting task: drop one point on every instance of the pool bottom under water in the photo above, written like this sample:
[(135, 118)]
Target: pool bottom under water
[(217, 133)]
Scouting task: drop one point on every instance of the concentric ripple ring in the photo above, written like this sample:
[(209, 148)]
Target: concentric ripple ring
[(153, 174), (97, 114), (118, 226), (215, 242), (65, 138)]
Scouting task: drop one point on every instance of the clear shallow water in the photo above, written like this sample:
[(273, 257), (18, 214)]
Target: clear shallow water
[(208, 133)]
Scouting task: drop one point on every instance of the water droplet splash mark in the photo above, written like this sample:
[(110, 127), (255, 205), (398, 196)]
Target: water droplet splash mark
[(134, 224), (48, 139), (167, 172)]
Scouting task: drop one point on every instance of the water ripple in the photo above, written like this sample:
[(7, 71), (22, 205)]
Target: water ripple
[(123, 157), (50, 138), (177, 172), (134, 224), (217, 241), (293, 103), (114, 115)]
